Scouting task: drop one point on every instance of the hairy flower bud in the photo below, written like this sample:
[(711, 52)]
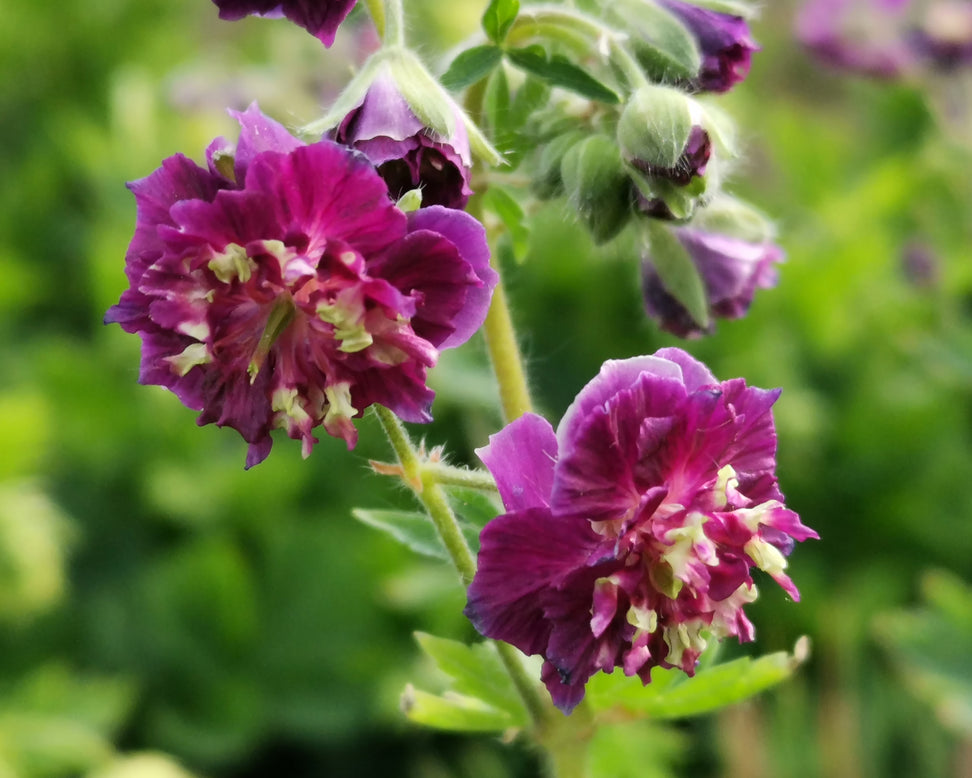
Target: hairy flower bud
[(597, 186)]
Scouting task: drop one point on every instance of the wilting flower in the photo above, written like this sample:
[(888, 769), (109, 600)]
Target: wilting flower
[(283, 288), (407, 153), (320, 18), (724, 42), (631, 532), (731, 270)]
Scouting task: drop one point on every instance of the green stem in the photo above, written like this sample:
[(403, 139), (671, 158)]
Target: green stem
[(504, 353), (459, 476), (394, 23), (428, 491)]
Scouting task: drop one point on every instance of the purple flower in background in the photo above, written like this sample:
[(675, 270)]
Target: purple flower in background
[(866, 36), (632, 531), (407, 153), (724, 42), (282, 288), (731, 269), (944, 34), (320, 18)]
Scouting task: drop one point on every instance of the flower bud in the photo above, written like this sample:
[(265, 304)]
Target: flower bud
[(664, 140), (408, 153), (724, 43), (597, 185)]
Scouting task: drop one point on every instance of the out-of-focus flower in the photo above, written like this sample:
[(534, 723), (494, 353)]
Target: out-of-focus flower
[(320, 18), (943, 35), (731, 270), (281, 287), (407, 153), (632, 531), (887, 38), (724, 42)]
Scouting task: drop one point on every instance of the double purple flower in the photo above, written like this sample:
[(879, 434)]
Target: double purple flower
[(282, 288), (320, 18), (631, 532)]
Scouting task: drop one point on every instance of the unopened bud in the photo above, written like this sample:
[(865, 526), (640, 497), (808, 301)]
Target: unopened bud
[(597, 185)]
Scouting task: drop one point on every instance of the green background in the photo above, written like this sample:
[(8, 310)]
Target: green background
[(156, 597)]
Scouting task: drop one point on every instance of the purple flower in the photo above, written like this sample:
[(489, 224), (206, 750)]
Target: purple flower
[(944, 37), (724, 42), (631, 532), (866, 36), (281, 287), (731, 269), (407, 153), (691, 164), (320, 18)]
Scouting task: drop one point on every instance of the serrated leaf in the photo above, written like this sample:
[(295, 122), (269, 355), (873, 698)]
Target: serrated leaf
[(410, 528), (710, 689), (470, 66), (678, 273), (453, 712), (476, 672), (559, 71), (510, 213), (499, 17)]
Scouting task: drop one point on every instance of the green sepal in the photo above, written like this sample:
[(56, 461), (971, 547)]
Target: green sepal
[(412, 529), (557, 70), (655, 125), (499, 17), (677, 271), (470, 66), (661, 43), (597, 186), (728, 215), (547, 181), (501, 203), (673, 695)]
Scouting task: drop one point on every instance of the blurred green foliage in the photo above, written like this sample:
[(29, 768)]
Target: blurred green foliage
[(154, 597)]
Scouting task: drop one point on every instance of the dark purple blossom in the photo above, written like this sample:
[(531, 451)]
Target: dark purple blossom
[(731, 269), (407, 153), (282, 288), (691, 164), (724, 43), (944, 34), (320, 18), (632, 532)]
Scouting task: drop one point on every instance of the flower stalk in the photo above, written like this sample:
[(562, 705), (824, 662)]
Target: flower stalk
[(423, 480)]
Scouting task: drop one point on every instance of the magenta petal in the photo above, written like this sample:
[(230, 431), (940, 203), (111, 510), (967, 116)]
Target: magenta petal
[(522, 555), (259, 133), (521, 458), (469, 236)]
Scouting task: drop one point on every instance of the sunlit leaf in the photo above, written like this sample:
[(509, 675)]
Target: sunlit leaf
[(470, 66), (499, 17), (710, 689), (559, 71), (477, 672), (453, 712)]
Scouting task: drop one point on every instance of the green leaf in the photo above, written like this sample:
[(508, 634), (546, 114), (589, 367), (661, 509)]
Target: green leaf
[(677, 272), (500, 202), (476, 672), (470, 66), (637, 749), (710, 689), (453, 712), (499, 17), (474, 507), (410, 528), (559, 71), (496, 107)]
